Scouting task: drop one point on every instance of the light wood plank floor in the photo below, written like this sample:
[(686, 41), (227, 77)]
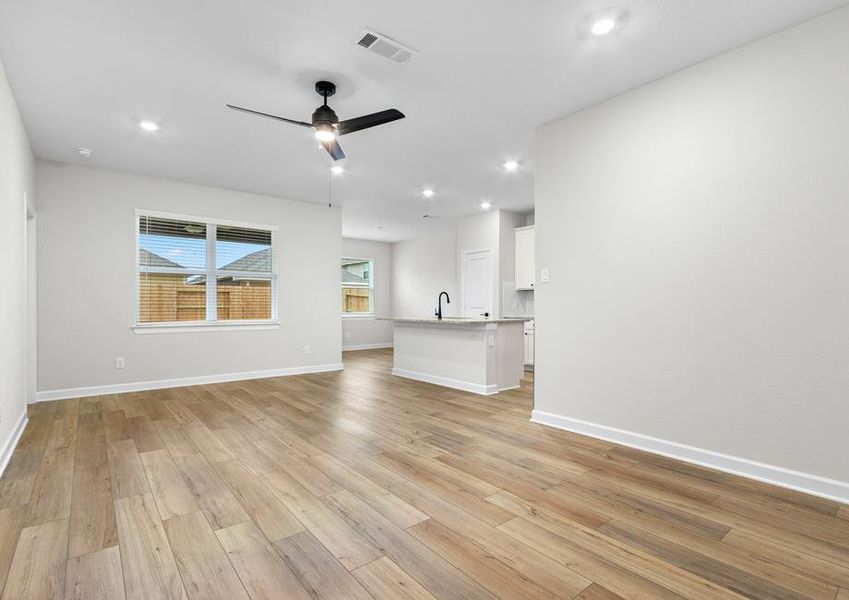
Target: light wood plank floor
[(359, 485)]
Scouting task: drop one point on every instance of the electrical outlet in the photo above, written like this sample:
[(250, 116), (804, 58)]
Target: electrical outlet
[(119, 362), (347, 335), (307, 349), (545, 275)]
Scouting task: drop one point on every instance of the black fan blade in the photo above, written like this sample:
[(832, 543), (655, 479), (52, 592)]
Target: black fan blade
[(334, 149), (262, 114), (372, 120)]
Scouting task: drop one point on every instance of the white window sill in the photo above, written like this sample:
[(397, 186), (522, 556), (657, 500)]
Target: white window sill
[(358, 315), (196, 327)]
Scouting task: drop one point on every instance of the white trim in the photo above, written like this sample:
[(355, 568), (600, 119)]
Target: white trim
[(12, 442), (198, 326), (807, 483), (120, 388), (368, 346), (457, 384), (157, 214), (358, 315)]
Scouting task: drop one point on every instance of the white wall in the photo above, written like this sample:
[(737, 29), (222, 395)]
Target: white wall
[(87, 280), (16, 181), (421, 268), (359, 332), (697, 232)]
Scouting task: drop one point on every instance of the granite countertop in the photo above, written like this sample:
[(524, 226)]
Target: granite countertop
[(455, 320)]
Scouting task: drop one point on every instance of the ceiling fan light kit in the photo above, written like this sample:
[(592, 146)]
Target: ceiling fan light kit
[(327, 126)]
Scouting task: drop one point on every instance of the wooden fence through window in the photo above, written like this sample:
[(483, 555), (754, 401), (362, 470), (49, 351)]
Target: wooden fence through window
[(167, 298)]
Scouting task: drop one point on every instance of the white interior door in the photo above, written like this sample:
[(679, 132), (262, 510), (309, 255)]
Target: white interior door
[(477, 282)]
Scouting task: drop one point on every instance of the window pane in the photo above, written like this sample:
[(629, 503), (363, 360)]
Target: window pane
[(240, 249), (244, 267), (173, 271), (356, 272), (357, 283), (165, 297), (171, 244), (356, 299), (241, 298)]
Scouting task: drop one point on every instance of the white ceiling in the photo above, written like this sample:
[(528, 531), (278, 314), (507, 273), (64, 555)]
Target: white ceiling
[(488, 72)]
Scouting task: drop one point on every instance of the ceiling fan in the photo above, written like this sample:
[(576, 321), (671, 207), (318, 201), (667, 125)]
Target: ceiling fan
[(327, 125)]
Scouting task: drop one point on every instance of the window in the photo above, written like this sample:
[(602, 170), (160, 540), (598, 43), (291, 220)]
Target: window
[(357, 287), (204, 272)]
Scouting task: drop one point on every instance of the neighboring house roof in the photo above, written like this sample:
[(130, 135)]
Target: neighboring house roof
[(348, 277), (149, 259), (257, 262)]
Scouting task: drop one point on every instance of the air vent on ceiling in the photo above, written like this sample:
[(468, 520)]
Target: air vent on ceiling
[(385, 46)]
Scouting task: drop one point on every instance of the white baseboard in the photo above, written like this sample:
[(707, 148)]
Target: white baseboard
[(475, 388), (140, 386), (367, 346), (9, 446), (511, 387), (831, 489)]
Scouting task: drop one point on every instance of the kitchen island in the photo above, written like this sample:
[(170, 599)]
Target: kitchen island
[(484, 356)]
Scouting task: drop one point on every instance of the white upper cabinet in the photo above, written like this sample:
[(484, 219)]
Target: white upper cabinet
[(525, 264)]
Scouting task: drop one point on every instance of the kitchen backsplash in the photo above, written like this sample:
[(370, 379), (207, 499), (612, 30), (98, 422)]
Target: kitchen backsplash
[(516, 303)]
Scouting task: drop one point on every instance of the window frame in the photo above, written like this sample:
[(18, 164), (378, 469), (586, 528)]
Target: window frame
[(211, 274), (361, 315)]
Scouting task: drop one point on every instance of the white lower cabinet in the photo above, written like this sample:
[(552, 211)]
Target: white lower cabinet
[(529, 344)]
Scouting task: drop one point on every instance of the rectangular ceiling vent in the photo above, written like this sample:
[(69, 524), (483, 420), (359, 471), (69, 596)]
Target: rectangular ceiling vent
[(385, 46)]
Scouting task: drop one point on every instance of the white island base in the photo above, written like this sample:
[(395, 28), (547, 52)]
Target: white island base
[(484, 356)]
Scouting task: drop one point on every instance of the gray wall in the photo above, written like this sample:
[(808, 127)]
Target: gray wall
[(87, 281), (507, 224), (16, 180), (421, 268), (697, 232), (357, 331), (429, 264)]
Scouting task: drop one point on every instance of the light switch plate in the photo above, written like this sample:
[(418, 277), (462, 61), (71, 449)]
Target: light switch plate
[(545, 275)]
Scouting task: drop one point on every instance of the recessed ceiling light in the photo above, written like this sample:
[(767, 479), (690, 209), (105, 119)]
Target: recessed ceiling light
[(603, 26), (428, 193), (85, 153), (337, 169), (511, 165), (148, 125), (486, 205)]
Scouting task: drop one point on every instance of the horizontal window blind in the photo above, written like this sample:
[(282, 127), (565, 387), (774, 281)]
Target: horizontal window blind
[(197, 270)]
